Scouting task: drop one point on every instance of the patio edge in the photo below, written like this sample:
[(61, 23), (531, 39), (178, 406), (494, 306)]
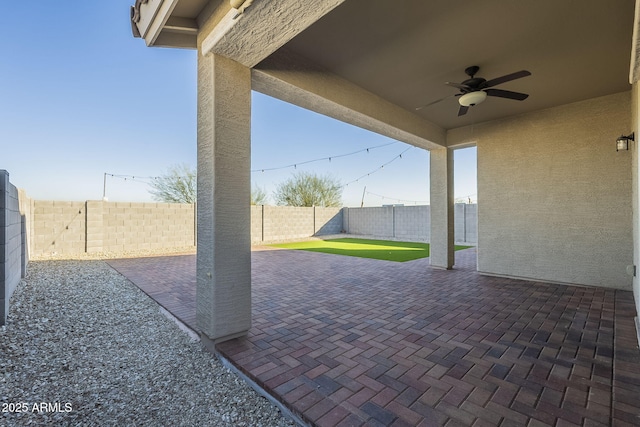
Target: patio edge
[(263, 391)]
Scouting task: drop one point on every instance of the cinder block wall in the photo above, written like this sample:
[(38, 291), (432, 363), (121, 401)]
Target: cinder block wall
[(466, 222), (290, 223), (412, 222), (97, 226), (58, 227), (67, 228), (376, 221), (144, 226), (281, 223), (328, 221), (408, 222), (13, 256), (26, 213), (256, 224)]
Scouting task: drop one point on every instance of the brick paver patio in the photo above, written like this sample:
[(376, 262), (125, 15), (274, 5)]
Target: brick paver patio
[(347, 341)]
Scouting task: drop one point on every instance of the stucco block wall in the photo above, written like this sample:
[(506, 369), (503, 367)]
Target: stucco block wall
[(26, 206), (95, 226), (327, 221), (290, 223), (374, 221), (66, 228), (556, 196), (144, 226), (58, 227), (466, 222), (256, 224), (281, 223), (12, 243), (411, 223)]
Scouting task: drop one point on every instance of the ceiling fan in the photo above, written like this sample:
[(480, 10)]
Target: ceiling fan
[(475, 90)]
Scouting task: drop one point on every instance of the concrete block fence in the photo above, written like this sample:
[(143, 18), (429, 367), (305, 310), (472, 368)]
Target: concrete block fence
[(61, 228), (465, 218), (14, 255), (67, 228), (408, 222), (282, 223)]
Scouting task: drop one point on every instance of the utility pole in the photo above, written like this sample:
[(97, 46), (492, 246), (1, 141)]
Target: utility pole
[(362, 201)]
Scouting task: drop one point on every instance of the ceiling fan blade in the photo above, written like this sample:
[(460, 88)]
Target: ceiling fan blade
[(507, 78), (507, 94), (459, 86), (463, 110), (436, 101)]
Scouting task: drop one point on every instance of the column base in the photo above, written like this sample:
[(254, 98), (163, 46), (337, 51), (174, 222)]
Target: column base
[(439, 267), (210, 343)]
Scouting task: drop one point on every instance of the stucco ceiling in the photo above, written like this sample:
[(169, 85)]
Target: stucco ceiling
[(405, 51)]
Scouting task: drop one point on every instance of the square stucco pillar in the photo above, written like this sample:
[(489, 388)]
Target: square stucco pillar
[(442, 205), (223, 294)]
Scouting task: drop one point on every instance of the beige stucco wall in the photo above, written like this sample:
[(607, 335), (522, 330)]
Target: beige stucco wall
[(554, 196), (635, 155)]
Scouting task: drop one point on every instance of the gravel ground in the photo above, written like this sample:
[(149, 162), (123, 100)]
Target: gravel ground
[(96, 350)]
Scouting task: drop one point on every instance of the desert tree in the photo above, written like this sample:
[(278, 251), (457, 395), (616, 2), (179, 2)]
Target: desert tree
[(258, 196), (177, 185), (307, 189)]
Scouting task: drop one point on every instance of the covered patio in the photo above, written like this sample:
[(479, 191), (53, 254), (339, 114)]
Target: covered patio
[(363, 343), (350, 341), (548, 170)]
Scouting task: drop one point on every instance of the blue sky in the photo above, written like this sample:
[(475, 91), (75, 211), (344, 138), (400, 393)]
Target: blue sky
[(80, 97)]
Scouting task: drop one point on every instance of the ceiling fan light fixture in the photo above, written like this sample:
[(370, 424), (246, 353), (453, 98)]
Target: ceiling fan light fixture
[(472, 98)]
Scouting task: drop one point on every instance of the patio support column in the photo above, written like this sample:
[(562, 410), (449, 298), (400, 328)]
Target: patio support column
[(223, 295), (442, 224)]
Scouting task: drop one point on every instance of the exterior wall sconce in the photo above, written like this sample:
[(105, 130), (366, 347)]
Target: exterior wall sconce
[(622, 143)]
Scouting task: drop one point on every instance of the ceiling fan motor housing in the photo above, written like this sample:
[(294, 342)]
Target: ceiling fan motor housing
[(474, 83)]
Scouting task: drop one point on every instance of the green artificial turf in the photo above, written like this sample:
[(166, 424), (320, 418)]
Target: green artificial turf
[(375, 249)]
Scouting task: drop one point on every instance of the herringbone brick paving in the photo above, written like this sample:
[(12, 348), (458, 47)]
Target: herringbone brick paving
[(347, 341)]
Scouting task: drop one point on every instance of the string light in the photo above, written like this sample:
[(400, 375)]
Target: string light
[(464, 199), (295, 165), (399, 200), (399, 156), (145, 179), (135, 178)]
